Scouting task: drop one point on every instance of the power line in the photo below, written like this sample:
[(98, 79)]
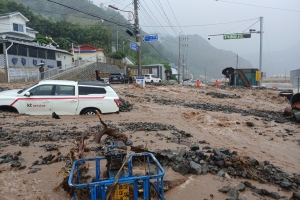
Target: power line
[(184, 26), (160, 27), (236, 27), (158, 51), (174, 15), (101, 18), (269, 55), (251, 26), (173, 28), (282, 9)]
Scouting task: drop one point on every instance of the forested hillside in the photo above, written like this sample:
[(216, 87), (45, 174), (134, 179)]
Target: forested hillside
[(203, 58), (65, 24)]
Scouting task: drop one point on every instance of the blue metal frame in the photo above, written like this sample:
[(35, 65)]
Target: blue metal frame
[(98, 188)]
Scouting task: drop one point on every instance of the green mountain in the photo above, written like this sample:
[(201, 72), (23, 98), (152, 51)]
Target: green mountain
[(79, 22), (202, 58)]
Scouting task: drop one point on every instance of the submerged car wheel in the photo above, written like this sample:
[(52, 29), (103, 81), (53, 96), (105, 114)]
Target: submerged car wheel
[(89, 112)]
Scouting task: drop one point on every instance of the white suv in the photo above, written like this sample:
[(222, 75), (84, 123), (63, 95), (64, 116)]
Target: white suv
[(61, 97), (152, 78)]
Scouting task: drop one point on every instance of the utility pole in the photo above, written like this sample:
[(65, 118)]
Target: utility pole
[(205, 74), (236, 66), (179, 61), (138, 39), (261, 49), (117, 38), (183, 68), (285, 75)]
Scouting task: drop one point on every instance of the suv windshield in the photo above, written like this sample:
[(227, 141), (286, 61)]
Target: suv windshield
[(20, 91)]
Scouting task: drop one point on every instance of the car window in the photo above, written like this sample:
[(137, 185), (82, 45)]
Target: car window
[(83, 90), (20, 91), (153, 76), (147, 75), (65, 90), (41, 90)]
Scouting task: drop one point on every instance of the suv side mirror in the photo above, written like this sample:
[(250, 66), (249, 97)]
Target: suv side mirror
[(27, 94)]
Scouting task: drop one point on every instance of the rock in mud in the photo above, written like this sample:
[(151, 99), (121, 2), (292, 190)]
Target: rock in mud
[(240, 187), (250, 124), (195, 168), (195, 147), (15, 164), (225, 189), (51, 147)]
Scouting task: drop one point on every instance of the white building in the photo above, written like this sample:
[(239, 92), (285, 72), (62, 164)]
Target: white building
[(19, 55)]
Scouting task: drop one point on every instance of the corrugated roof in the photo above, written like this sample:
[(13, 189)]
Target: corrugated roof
[(39, 46)]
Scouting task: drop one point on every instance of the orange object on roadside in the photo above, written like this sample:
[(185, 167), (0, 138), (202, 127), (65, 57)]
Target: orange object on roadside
[(217, 83), (198, 83)]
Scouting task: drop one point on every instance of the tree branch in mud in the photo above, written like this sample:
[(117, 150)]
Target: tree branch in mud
[(75, 154), (108, 131)]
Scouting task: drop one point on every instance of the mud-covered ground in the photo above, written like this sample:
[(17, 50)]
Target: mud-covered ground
[(250, 122)]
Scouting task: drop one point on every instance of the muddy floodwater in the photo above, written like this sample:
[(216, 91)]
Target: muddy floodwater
[(221, 123)]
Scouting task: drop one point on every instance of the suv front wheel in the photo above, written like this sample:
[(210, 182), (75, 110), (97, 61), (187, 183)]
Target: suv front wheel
[(89, 112)]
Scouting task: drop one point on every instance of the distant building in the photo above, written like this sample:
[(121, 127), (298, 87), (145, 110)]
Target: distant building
[(295, 77), (87, 51), (157, 69), (19, 54)]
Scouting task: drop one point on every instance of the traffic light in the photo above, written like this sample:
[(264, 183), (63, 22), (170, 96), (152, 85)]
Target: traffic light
[(129, 33)]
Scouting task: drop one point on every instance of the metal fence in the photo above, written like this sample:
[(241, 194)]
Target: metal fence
[(33, 76)]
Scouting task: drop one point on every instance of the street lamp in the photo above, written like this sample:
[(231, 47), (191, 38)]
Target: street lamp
[(115, 8), (136, 32)]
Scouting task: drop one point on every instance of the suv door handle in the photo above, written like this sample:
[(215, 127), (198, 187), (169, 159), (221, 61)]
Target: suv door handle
[(46, 101), (73, 101)]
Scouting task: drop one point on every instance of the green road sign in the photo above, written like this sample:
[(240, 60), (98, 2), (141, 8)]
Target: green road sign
[(236, 36)]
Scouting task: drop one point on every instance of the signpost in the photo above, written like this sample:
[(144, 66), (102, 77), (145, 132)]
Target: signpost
[(150, 38), (236, 36), (134, 46)]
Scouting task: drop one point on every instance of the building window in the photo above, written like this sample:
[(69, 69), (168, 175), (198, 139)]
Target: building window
[(51, 55), (12, 50), (1, 49), (58, 55), (65, 57), (33, 52), (145, 71), (18, 27), (22, 50), (41, 53), (135, 71)]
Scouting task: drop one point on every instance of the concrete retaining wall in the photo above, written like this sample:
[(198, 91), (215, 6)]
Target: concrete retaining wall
[(88, 72)]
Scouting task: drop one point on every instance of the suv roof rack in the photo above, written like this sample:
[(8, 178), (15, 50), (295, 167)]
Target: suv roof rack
[(97, 83)]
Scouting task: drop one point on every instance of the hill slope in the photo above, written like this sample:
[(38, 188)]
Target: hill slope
[(199, 55)]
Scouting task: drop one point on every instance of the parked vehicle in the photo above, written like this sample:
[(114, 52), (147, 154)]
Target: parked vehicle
[(152, 78), (62, 97), (118, 78)]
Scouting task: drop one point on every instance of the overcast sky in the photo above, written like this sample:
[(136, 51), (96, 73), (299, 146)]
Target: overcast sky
[(281, 20)]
